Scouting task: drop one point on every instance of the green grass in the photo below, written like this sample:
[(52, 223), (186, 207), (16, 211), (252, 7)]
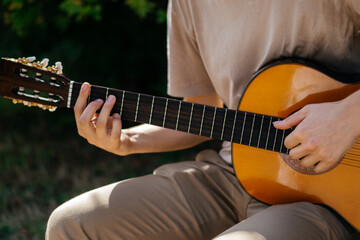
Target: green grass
[(43, 162)]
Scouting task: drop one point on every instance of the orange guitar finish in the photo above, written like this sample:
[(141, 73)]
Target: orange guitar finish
[(279, 91)]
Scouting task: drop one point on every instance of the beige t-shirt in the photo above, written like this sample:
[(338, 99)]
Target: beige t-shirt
[(215, 46)]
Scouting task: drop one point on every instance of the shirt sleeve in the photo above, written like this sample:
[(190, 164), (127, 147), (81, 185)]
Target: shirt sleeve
[(187, 76)]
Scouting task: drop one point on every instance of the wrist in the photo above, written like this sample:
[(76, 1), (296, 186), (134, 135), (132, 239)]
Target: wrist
[(126, 144), (351, 105)]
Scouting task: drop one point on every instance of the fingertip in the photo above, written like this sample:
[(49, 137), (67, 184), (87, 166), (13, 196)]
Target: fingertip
[(116, 116), (111, 99), (85, 87), (99, 101), (279, 124)]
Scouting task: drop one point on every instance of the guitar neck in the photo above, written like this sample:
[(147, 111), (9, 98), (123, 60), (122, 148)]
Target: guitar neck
[(219, 123)]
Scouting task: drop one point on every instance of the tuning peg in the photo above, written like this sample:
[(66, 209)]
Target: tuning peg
[(59, 67), (15, 101), (30, 59), (45, 63)]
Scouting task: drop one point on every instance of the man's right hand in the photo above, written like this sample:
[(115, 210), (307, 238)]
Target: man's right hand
[(101, 130)]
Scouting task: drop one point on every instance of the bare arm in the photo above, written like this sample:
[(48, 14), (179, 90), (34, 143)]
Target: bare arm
[(144, 138)]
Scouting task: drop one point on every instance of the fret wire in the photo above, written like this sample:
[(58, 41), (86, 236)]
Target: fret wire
[(252, 129), (191, 113), (152, 108), (233, 128), (261, 126), (122, 103), (88, 100), (202, 120), (178, 115), (242, 130), (107, 93), (166, 106), (282, 140), (276, 131), (212, 127), (222, 133), (267, 138), (137, 107)]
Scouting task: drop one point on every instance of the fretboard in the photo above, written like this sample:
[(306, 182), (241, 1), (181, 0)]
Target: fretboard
[(235, 126)]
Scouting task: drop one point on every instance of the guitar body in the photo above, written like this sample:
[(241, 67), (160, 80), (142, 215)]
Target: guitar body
[(273, 178)]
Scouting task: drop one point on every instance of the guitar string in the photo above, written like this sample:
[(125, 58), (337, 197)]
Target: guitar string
[(350, 165), (345, 163), (350, 159), (96, 94)]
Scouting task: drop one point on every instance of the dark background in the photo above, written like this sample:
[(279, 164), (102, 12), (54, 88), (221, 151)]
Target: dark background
[(43, 162)]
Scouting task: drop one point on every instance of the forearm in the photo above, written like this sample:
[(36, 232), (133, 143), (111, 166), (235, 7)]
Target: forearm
[(147, 138)]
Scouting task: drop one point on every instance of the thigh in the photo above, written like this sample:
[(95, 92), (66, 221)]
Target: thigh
[(297, 221), (179, 201)]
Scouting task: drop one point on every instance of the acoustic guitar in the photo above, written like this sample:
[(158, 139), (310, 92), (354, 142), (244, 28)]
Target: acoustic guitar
[(259, 156)]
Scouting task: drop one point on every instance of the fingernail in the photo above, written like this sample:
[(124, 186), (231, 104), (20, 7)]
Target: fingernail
[(110, 99), (85, 87), (116, 116), (99, 100)]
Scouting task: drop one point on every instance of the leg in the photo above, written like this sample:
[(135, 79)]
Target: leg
[(188, 200), (297, 221)]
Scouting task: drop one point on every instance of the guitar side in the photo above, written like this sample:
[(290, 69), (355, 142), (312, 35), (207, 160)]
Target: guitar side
[(279, 91)]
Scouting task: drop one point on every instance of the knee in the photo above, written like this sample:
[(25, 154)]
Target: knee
[(59, 224)]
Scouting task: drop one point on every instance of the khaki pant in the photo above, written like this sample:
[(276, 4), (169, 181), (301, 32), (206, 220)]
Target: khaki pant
[(195, 200)]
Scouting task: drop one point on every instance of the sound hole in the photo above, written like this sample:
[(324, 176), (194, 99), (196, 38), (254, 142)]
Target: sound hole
[(296, 165)]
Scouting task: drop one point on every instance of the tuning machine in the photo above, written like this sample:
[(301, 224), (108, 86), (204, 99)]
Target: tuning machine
[(31, 104)]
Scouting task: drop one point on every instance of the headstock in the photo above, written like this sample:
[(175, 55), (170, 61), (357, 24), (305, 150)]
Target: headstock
[(33, 84)]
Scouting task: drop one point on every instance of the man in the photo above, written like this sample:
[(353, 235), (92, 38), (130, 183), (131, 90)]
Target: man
[(214, 48)]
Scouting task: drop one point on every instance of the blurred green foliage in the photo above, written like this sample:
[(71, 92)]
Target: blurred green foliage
[(43, 162)]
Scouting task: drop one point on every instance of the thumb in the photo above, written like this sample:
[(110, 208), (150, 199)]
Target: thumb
[(291, 121)]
